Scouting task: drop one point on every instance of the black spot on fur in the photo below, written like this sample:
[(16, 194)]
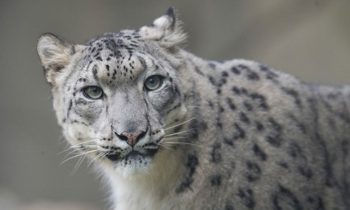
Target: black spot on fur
[(94, 71), (248, 106), (259, 126), (235, 70), (244, 118), (222, 82), (212, 80), (70, 105), (285, 199), (294, 150), (274, 140), (294, 94), (270, 75), (211, 104), (197, 126), (114, 74), (229, 206), (216, 153), (283, 164), (236, 90), (316, 202), (253, 171), (96, 54), (224, 74), (81, 80), (219, 123), (247, 197), (212, 65), (215, 180), (231, 104), (244, 91), (221, 109), (299, 124), (198, 71), (253, 76), (260, 100), (239, 133), (191, 165), (228, 141), (244, 67), (275, 135), (125, 69), (259, 152), (306, 172)]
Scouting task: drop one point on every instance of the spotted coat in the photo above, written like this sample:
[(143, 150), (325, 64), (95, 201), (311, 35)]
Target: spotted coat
[(231, 135)]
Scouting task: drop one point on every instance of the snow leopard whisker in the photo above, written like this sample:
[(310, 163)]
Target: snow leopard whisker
[(178, 133), (77, 151), (174, 126), (69, 149), (181, 143), (172, 139), (172, 123), (94, 159), (71, 152), (78, 155), (75, 146), (166, 147), (78, 164), (72, 157), (89, 139), (83, 142)]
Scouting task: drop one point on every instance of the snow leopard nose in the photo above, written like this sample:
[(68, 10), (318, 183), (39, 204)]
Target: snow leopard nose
[(131, 137)]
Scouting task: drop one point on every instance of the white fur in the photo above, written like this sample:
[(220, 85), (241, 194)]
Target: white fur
[(145, 188)]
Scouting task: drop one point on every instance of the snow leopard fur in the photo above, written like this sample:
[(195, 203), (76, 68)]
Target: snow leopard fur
[(172, 131)]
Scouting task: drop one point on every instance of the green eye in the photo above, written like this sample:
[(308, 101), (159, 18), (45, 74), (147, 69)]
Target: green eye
[(154, 82), (93, 92)]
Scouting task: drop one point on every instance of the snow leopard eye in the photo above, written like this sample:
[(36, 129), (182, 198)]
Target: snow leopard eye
[(153, 82), (93, 92)]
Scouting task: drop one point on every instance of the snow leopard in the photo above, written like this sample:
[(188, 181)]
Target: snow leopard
[(172, 131)]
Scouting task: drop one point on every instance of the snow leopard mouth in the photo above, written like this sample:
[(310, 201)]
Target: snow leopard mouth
[(147, 153)]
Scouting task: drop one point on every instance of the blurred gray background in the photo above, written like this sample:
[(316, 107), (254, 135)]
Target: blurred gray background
[(306, 38)]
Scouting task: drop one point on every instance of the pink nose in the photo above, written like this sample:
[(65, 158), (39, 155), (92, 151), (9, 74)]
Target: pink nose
[(131, 138)]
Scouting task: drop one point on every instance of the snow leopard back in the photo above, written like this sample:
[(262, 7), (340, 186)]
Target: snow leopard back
[(272, 142)]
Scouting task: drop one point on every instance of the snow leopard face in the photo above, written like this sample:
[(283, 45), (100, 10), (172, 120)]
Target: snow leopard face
[(115, 95)]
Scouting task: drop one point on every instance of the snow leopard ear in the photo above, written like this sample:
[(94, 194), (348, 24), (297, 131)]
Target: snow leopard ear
[(55, 55), (166, 30)]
